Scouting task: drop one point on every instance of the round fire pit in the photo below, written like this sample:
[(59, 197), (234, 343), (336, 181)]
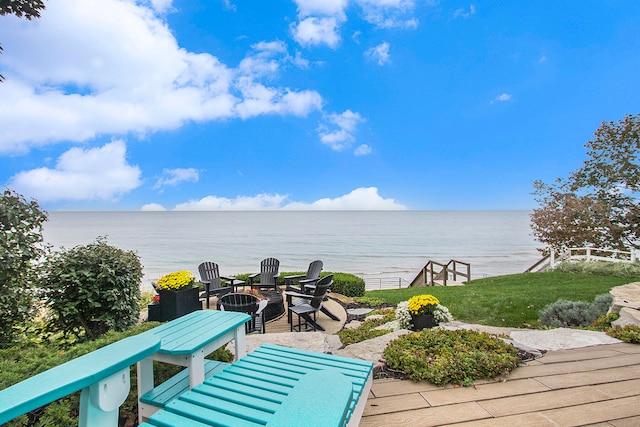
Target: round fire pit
[(275, 307)]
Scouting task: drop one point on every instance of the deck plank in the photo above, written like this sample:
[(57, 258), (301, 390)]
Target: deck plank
[(483, 392), (434, 416), (398, 403)]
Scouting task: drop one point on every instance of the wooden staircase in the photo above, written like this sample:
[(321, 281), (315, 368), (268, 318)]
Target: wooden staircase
[(437, 274)]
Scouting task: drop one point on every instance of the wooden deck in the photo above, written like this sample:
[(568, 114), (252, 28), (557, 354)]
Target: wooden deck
[(596, 386)]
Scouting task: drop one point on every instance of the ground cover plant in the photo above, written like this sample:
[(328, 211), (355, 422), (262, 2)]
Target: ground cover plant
[(367, 329), (629, 333), (511, 300), (450, 357)]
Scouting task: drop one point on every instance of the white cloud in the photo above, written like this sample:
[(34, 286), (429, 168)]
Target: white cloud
[(98, 173), (364, 198), (389, 13), (321, 7), (228, 5), (319, 21), (464, 13), (362, 150), (162, 6), (314, 31), (173, 177), (126, 73), (504, 97), (240, 203), (338, 131), (153, 207), (379, 54)]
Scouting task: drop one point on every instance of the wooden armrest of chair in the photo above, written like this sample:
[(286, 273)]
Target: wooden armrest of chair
[(290, 294), (262, 305), (289, 279)]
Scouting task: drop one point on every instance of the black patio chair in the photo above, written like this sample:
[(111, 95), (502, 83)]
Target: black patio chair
[(210, 276), (308, 306), (304, 281), (268, 275)]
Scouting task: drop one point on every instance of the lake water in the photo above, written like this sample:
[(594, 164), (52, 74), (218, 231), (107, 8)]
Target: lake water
[(383, 247)]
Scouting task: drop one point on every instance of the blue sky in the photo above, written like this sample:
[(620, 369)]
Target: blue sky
[(308, 104)]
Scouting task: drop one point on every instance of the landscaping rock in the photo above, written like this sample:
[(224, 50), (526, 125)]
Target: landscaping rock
[(371, 350), (354, 324), (625, 296), (313, 341), (628, 317), (561, 338), (359, 311)]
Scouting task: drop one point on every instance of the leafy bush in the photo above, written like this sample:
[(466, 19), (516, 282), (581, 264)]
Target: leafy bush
[(347, 284), (629, 333), (563, 313), (602, 303), (20, 245), (92, 289), (457, 357)]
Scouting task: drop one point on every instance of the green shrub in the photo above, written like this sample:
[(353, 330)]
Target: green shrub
[(20, 245), (347, 285), (370, 301), (343, 283), (602, 303), (629, 333), (563, 313), (92, 289), (457, 357)]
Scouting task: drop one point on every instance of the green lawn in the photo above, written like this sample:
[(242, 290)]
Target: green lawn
[(512, 300)]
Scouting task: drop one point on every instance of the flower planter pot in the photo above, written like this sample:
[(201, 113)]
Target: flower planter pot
[(174, 304), (423, 321)]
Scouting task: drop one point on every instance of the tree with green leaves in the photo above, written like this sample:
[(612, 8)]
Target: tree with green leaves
[(21, 244), (598, 205), (92, 289), (28, 9)]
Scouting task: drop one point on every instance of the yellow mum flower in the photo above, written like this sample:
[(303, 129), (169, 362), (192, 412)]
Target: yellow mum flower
[(176, 280), (422, 304)]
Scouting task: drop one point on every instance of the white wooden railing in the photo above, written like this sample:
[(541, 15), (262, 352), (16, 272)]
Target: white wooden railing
[(583, 254)]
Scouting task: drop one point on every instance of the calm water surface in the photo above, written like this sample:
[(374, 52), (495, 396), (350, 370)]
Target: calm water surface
[(382, 247)]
